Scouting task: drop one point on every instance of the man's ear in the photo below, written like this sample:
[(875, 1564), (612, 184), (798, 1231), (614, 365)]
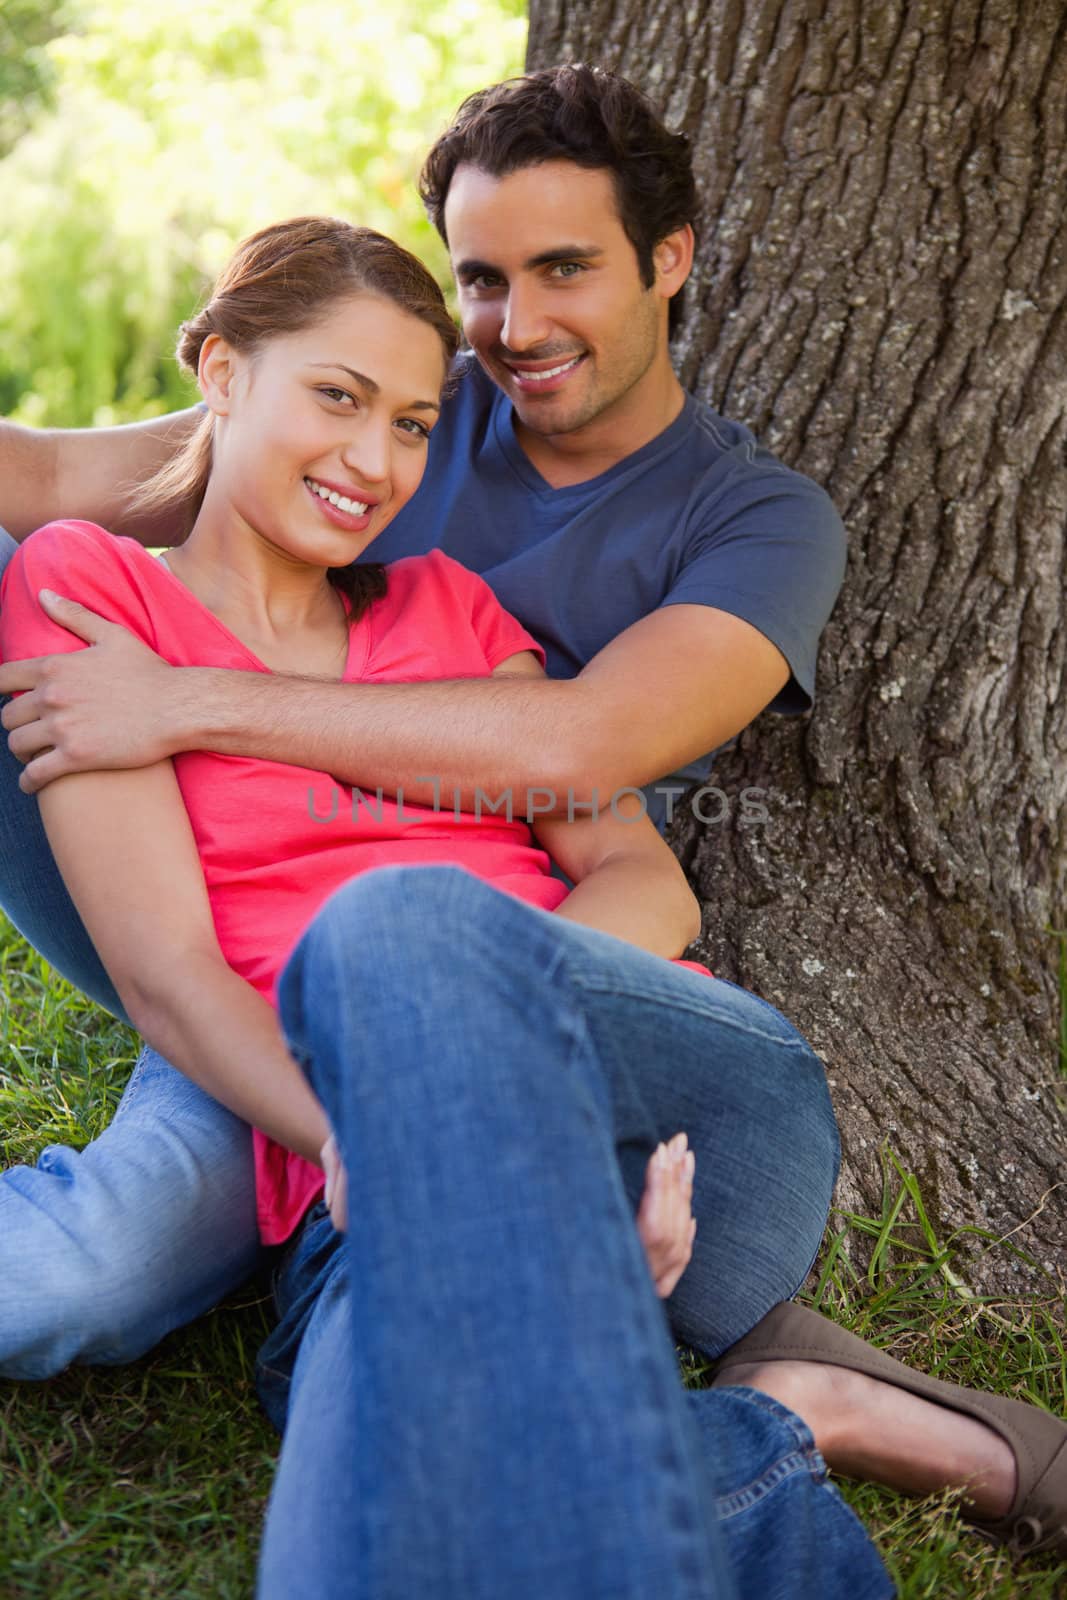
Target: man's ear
[(673, 260), (215, 373)]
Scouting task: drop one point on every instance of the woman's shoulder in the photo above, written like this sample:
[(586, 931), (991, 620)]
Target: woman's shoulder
[(80, 561), (67, 538), (433, 580), (448, 599), (432, 567)]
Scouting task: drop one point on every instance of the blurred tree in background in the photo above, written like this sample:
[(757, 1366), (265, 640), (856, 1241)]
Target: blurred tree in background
[(139, 142)]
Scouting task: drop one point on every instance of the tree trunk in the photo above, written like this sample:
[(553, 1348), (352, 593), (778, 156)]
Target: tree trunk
[(881, 294)]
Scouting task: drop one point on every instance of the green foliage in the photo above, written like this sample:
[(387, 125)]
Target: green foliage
[(178, 127), (26, 78)]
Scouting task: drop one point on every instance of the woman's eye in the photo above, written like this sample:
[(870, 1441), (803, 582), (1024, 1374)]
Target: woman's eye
[(417, 430), (339, 395)]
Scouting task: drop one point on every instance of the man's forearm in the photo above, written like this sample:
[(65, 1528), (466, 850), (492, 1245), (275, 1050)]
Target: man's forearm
[(542, 741), (27, 478), (87, 473)]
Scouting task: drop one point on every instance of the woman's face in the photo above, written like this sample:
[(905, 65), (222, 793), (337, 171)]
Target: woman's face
[(320, 436)]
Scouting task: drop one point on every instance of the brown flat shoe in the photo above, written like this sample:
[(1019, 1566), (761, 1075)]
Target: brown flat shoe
[(1037, 1520)]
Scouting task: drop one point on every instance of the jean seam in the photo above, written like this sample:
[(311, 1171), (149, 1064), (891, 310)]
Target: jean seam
[(633, 991), (140, 1067), (804, 1457)]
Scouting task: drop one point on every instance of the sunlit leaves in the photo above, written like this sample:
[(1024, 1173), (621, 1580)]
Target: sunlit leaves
[(181, 125)]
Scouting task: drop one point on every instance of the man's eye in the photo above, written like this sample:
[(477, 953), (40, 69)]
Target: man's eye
[(484, 280), (568, 269)]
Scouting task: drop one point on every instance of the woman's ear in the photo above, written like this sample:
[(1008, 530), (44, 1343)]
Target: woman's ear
[(673, 260), (215, 373)]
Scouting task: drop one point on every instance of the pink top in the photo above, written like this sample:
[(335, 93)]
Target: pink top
[(276, 840)]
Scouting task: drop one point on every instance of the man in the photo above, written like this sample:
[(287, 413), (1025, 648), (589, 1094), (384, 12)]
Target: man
[(677, 575)]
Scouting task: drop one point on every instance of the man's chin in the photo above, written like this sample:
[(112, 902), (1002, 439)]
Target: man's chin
[(553, 414)]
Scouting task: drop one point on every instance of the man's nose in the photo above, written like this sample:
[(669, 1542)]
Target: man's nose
[(525, 324)]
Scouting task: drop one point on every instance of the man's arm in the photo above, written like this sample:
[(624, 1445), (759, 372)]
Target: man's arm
[(670, 688), (87, 473)]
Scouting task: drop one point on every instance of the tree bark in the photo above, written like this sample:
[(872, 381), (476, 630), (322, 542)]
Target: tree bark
[(881, 294)]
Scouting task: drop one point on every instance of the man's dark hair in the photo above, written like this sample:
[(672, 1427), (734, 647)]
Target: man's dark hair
[(577, 113)]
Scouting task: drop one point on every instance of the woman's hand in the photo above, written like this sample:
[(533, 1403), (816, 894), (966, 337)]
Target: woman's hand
[(665, 1221), (336, 1184)]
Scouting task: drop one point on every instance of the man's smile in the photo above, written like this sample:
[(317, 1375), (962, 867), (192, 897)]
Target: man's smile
[(534, 378)]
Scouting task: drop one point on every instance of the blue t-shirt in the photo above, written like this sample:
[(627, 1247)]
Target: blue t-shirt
[(700, 515)]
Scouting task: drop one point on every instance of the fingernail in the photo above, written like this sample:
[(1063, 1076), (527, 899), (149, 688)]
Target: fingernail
[(690, 1163), (663, 1159)]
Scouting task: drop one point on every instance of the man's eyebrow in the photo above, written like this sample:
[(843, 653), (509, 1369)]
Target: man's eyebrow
[(372, 387), (546, 258)]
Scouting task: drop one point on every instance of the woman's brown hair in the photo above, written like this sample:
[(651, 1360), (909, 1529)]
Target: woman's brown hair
[(278, 281)]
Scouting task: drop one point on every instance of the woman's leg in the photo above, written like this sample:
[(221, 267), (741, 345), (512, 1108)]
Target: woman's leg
[(786, 1534), (512, 1417), (102, 1252)]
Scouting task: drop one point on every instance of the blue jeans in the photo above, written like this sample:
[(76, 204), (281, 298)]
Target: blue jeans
[(478, 1383)]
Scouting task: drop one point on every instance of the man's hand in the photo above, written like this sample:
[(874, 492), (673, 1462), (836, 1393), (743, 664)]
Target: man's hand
[(95, 709)]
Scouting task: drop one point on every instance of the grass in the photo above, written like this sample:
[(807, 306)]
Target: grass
[(1061, 936), (151, 1479)]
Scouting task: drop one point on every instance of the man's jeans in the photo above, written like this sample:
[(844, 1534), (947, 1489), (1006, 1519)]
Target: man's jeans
[(478, 1384)]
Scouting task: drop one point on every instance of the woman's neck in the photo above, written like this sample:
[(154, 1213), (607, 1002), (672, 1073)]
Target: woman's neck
[(248, 583)]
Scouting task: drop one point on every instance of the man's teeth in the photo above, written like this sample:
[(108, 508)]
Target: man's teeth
[(543, 377), (353, 508)]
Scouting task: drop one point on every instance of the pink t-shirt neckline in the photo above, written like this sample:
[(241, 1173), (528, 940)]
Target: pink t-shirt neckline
[(358, 632)]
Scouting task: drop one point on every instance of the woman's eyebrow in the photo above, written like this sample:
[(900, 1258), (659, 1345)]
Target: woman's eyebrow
[(360, 377), (372, 387)]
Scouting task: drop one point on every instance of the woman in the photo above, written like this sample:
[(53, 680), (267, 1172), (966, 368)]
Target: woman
[(321, 358)]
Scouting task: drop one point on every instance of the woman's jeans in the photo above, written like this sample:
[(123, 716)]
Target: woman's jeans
[(478, 1384)]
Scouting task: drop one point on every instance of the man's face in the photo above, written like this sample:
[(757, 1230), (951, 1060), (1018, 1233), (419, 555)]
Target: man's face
[(550, 292)]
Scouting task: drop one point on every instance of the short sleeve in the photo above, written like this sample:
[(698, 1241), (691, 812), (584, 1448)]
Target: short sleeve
[(79, 561), (770, 549), (498, 633)]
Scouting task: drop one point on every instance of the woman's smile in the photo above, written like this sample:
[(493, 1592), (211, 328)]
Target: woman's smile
[(343, 510)]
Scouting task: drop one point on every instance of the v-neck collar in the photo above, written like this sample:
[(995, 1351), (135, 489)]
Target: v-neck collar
[(356, 631), (503, 425)]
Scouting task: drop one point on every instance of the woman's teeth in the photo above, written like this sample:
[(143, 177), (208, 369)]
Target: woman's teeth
[(352, 508)]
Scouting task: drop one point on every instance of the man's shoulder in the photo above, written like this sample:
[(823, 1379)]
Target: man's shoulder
[(732, 474)]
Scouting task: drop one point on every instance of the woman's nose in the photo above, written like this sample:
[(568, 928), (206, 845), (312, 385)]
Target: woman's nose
[(367, 455)]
